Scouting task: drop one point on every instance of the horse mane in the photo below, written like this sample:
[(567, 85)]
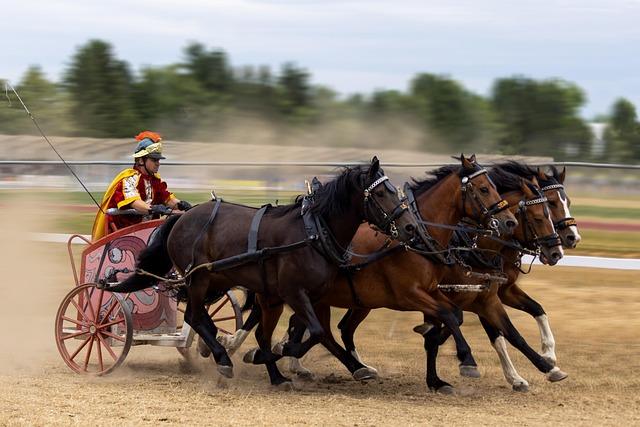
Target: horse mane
[(517, 168), (419, 186), (282, 210), (334, 197), (505, 180)]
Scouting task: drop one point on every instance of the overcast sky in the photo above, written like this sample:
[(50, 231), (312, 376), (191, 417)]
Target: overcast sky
[(351, 46)]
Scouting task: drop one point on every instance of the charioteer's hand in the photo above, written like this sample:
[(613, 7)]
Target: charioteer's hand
[(183, 205), (160, 210)]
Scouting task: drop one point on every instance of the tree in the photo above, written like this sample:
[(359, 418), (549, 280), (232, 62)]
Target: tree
[(101, 89), (458, 117), (44, 99), (623, 133), (541, 117), (294, 90), (210, 68)]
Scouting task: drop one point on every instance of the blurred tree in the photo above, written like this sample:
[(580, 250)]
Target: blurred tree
[(541, 117), (210, 68), (101, 89), (44, 99), (454, 114), (623, 133), (294, 91)]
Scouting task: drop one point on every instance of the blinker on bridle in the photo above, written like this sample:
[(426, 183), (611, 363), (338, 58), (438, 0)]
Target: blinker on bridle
[(552, 239), (489, 212), (389, 219)]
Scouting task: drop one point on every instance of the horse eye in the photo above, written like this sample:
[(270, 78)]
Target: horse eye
[(380, 193), (539, 220), (484, 190), (552, 204)]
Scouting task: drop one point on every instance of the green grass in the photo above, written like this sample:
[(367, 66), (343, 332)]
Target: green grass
[(605, 212), (622, 244)]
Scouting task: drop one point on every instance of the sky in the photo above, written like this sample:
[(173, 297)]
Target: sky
[(351, 45)]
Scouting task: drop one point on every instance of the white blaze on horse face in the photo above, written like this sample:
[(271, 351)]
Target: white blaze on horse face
[(567, 214), (546, 338), (509, 371)]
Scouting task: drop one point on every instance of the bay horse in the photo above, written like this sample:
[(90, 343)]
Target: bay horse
[(407, 281), (217, 231), (535, 230)]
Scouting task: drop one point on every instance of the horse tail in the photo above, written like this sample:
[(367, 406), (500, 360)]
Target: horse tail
[(154, 259)]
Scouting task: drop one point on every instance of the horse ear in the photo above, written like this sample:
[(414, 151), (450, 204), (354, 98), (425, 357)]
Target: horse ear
[(534, 181), (541, 174), (563, 174), (473, 158), (375, 166), (525, 188), (466, 163)]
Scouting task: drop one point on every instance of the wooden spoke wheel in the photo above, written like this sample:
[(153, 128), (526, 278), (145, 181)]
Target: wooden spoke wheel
[(94, 330), (226, 313)]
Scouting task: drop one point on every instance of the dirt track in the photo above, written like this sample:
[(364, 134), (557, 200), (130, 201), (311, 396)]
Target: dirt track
[(594, 314)]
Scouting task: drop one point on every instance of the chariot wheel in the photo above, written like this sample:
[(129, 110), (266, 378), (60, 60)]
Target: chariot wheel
[(93, 330)]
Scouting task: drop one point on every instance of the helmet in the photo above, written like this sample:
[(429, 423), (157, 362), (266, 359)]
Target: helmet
[(149, 144)]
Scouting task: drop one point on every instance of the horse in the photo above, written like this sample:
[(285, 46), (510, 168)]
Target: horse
[(407, 281), (535, 230), (214, 246)]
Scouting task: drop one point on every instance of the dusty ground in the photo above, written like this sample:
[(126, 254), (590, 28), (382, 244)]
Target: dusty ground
[(594, 314)]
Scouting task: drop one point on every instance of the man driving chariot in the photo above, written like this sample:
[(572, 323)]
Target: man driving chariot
[(139, 188)]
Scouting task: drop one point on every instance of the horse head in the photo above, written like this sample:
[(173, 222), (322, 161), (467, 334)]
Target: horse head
[(383, 206), (481, 200), (552, 185)]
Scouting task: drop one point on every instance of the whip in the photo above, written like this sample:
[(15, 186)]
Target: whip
[(8, 86)]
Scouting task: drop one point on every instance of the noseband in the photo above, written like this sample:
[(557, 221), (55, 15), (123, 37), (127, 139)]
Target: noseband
[(565, 222), (486, 213), (388, 222)]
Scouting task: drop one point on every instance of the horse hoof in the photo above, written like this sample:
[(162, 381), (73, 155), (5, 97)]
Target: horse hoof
[(203, 348), (225, 371), (469, 371), (445, 389), (286, 385), (305, 374), (364, 374), (278, 349), (250, 355), (522, 387), (556, 375)]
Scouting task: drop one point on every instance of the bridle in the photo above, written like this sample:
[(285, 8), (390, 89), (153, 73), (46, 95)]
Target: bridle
[(486, 214), (530, 234), (565, 222), (387, 224)]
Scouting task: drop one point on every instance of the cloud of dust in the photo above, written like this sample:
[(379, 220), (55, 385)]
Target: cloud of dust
[(34, 280)]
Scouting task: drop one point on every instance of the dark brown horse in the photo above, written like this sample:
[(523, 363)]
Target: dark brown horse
[(535, 230), (408, 281), (216, 231)]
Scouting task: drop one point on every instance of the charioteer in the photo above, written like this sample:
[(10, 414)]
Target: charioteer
[(139, 188)]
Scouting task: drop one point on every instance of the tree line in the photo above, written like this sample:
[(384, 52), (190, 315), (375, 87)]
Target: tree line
[(99, 96)]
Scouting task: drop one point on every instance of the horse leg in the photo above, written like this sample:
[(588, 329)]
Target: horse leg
[(496, 316), (198, 318), (510, 374), (515, 297), (358, 370), (234, 341), (296, 332), (348, 325), (430, 331), (447, 315), (264, 333), (301, 305)]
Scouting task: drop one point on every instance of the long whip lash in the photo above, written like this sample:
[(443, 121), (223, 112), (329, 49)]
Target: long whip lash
[(8, 86)]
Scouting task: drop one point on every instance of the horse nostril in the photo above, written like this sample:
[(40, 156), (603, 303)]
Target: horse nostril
[(556, 256), (511, 224), (410, 228), (571, 238)]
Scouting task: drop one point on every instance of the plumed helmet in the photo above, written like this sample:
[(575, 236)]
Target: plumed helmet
[(149, 144)]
